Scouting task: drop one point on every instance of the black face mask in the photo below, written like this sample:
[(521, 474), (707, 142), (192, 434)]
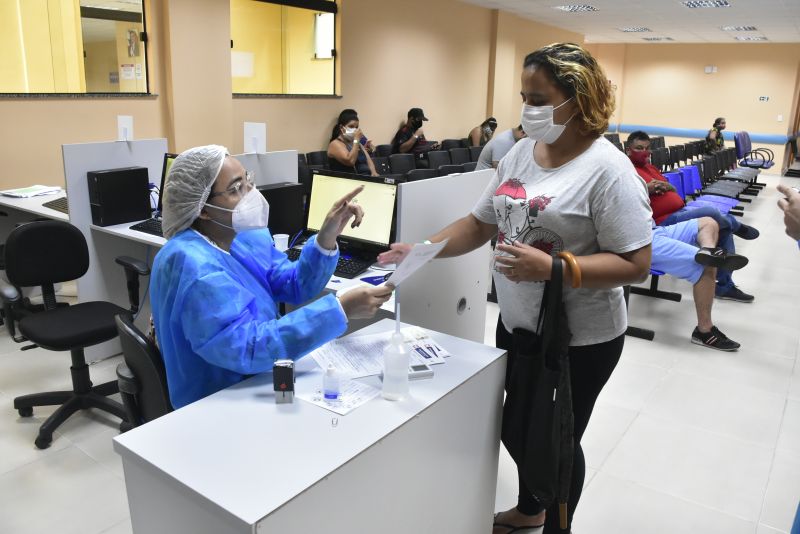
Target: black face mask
[(417, 123)]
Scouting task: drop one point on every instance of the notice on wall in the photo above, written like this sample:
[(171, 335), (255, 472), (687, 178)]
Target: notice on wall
[(242, 64), (139, 71), (127, 71)]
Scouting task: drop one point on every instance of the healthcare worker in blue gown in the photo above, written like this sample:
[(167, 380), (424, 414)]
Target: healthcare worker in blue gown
[(216, 284)]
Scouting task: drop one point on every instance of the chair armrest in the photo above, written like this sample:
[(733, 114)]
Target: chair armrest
[(127, 381), (8, 293), (134, 265)]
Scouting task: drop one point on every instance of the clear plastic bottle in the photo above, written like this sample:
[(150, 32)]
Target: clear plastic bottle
[(331, 385), (395, 369)]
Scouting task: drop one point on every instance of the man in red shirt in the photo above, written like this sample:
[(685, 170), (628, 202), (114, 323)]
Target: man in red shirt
[(668, 208)]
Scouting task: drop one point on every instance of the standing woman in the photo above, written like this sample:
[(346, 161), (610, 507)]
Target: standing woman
[(563, 188), (347, 151)]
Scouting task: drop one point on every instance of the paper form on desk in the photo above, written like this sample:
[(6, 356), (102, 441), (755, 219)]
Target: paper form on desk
[(32, 191), (420, 255), (353, 395), (359, 356)]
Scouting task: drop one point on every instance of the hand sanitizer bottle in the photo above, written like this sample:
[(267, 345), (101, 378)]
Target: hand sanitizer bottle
[(331, 385), (395, 369)]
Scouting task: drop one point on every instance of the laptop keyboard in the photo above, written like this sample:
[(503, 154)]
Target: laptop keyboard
[(150, 226), (345, 267), (58, 204)]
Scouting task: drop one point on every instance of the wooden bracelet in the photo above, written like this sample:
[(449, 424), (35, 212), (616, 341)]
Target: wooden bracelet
[(574, 268)]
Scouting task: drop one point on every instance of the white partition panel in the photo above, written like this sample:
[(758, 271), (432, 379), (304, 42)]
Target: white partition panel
[(105, 280), (271, 167), (448, 295)]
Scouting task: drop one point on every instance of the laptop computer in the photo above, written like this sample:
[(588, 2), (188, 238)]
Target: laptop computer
[(153, 225), (359, 246)]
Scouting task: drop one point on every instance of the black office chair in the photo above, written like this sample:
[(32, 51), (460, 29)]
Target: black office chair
[(470, 166), (402, 163), (318, 158), (421, 174), (437, 158), (44, 253), (459, 156), (444, 170), (142, 378), (383, 151), (447, 144), (382, 165), (475, 153)]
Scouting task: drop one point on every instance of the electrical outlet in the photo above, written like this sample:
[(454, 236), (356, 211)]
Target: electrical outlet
[(780, 118)]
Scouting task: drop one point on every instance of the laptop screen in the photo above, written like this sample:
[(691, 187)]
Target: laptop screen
[(168, 159), (377, 199)]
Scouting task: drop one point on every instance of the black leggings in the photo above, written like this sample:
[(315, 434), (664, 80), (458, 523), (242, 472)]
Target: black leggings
[(590, 367)]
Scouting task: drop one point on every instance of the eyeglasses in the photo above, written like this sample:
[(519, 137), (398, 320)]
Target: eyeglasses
[(235, 190)]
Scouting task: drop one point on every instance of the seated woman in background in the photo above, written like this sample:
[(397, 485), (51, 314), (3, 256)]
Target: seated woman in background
[(347, 151), (480, 135)]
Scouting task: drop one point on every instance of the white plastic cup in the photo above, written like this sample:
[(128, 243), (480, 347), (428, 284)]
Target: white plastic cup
[(281, 241)]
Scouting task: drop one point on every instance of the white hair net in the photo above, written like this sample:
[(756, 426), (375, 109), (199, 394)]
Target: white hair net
[(188, 185)]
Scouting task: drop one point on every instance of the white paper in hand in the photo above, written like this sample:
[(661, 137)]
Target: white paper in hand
[(419, 256)]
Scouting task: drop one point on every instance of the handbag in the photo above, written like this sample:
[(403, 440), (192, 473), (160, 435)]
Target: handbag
[(537, 428)]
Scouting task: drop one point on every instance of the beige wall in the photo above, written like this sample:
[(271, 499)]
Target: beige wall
[(392, 59), (519, 38), (665, 85)]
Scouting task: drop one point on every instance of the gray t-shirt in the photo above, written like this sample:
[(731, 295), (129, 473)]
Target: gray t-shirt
[(596, 202), (497, 147)]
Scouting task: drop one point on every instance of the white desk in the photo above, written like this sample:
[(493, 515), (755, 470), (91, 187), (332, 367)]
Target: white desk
[(34, 206), (237, 462)]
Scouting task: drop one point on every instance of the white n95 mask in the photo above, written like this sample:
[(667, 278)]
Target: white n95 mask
[(252, 212), (537, 122)]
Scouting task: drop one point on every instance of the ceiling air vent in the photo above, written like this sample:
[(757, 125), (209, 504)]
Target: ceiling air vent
[(693, 4), (634, 29), (576, 8)]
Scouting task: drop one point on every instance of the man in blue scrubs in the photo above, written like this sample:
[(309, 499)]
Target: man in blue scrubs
[(217, 283)]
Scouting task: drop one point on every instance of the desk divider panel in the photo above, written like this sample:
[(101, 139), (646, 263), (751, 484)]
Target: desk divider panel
[(447, 295), (271, 167), (105, 280)]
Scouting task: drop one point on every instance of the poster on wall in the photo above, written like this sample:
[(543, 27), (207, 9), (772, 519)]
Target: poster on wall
[(127, 71), (133, 43), (139, 75)]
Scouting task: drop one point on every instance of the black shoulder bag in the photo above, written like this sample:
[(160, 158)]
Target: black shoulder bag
[(537, 415)]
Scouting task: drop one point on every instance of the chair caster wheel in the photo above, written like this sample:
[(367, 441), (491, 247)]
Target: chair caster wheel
[(43, 443), (26, 412)]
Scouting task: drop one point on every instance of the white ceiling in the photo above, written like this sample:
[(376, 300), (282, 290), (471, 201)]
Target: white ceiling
[(777, 20)]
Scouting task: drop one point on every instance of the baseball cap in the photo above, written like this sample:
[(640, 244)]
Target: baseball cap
[(417, 113)]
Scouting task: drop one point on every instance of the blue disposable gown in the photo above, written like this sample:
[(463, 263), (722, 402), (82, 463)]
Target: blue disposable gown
[(216, 314)]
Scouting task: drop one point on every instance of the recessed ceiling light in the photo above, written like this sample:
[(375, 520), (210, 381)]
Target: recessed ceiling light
[(751, 38), (706, 3), (739, 28), (658, 38), (634, 29), (576, 8)]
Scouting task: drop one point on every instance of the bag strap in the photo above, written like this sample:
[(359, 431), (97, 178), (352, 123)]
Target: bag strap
[(550, 311)]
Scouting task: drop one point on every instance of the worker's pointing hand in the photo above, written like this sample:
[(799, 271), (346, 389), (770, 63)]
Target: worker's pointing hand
[(341, 212)]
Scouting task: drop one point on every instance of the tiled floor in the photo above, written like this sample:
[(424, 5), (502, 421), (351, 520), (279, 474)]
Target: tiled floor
[(683, 439)]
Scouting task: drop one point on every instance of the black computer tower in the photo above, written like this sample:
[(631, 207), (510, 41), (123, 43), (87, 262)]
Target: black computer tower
[(119, 195), (286, 211)]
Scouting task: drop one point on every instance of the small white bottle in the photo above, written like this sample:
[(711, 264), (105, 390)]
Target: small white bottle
[(395, 369), (331, 385)]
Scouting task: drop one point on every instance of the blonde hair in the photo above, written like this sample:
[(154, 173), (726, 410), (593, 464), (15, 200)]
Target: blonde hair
[(579, 75)]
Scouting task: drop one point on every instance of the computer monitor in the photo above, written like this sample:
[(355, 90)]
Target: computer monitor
[(378, 200), (168, 159)]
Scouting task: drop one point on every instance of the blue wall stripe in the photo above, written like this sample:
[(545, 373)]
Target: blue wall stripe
[(770, 139)]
